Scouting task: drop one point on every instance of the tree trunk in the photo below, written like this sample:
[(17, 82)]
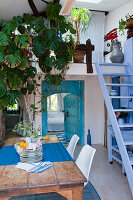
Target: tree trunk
[(78, 40)]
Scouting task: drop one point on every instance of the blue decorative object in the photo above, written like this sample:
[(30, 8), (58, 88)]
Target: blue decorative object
[(89, 137)]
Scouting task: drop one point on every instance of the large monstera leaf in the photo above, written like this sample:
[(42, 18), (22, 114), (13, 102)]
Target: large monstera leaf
[(53, 79), (39, 46), (51, 33), (4, 39), (2, 89), (39, 24), (23, 40), (9, 27), (15, 83), (49, 61), (12, 60), (1, 58), (53, 10), (62, 51), (54, 44), (61, 63)]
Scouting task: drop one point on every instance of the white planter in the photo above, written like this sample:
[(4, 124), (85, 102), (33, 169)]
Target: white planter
[(120, 121), (28, 140)]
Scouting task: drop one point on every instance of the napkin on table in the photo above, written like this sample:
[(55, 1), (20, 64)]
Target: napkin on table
[(34, 167)]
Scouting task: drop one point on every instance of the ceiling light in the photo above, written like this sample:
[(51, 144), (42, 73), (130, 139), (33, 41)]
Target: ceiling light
[(90, 1), (66, 8)]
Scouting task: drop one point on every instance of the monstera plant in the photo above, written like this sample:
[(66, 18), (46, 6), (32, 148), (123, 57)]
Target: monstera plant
[(23, 38)]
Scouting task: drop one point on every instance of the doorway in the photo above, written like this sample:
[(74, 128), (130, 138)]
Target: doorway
[(70, 87)]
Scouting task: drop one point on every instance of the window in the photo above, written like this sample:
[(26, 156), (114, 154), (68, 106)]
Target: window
[(52, 103)]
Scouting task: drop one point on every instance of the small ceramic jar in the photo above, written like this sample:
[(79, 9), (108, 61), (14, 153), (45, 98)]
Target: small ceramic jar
[(113, 93)]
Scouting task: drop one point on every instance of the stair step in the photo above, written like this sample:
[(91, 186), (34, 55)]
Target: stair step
[(117, 157), (128, 142), (119, 84), (115, 148), (123, 110), (131, 158), (126, 126), (117, 74), (113, 64), (121, 97)]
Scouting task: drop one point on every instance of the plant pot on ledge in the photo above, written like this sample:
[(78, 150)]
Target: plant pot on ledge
[(129, 27), (79, 53)]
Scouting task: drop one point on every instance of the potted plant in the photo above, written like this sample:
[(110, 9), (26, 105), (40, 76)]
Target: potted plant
[(25, 128), (126, 23), (81, 18)]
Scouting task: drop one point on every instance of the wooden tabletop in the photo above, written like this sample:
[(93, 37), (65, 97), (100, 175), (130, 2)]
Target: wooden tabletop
[(64, 178)]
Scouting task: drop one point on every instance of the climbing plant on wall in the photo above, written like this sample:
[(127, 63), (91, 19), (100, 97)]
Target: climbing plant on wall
[(23, 38)]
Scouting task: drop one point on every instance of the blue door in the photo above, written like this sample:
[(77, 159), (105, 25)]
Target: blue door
[(71, 115)]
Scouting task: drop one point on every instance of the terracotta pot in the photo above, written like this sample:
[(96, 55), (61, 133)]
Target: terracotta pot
[(129, 23), (79, 56)]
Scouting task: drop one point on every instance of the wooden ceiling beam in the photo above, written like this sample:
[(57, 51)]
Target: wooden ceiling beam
[(34, 9)]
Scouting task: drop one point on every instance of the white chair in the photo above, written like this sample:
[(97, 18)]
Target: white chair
[(84, 160), (72, 144)]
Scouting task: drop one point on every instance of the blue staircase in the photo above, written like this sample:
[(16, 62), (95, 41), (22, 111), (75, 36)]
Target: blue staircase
[(122, 151)]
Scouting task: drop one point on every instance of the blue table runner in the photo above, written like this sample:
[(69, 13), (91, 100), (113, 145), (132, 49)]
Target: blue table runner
[(54, 152)]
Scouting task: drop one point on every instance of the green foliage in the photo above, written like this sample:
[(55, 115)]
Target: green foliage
[(15, 83), (12, 60), (4, 39), (22, 40), (81, 18), (17, 76), (122, 23), (2, 89), (52, 12)]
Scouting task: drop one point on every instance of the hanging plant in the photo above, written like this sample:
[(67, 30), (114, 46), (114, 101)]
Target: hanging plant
[(20, 38)]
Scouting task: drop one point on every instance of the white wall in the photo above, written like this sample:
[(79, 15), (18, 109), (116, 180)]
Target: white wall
[(95, 33), (94, 102), (94, 110), (112, 20)]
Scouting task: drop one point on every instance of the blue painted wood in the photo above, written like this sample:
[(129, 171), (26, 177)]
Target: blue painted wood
[(71, 115), (73, 87), (119, 84), (117, 74), (128, 57), (120, 142), (116, 102), (112, 64)]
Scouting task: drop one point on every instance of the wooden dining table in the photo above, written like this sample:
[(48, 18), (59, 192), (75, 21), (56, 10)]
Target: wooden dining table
[(64, 178)]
